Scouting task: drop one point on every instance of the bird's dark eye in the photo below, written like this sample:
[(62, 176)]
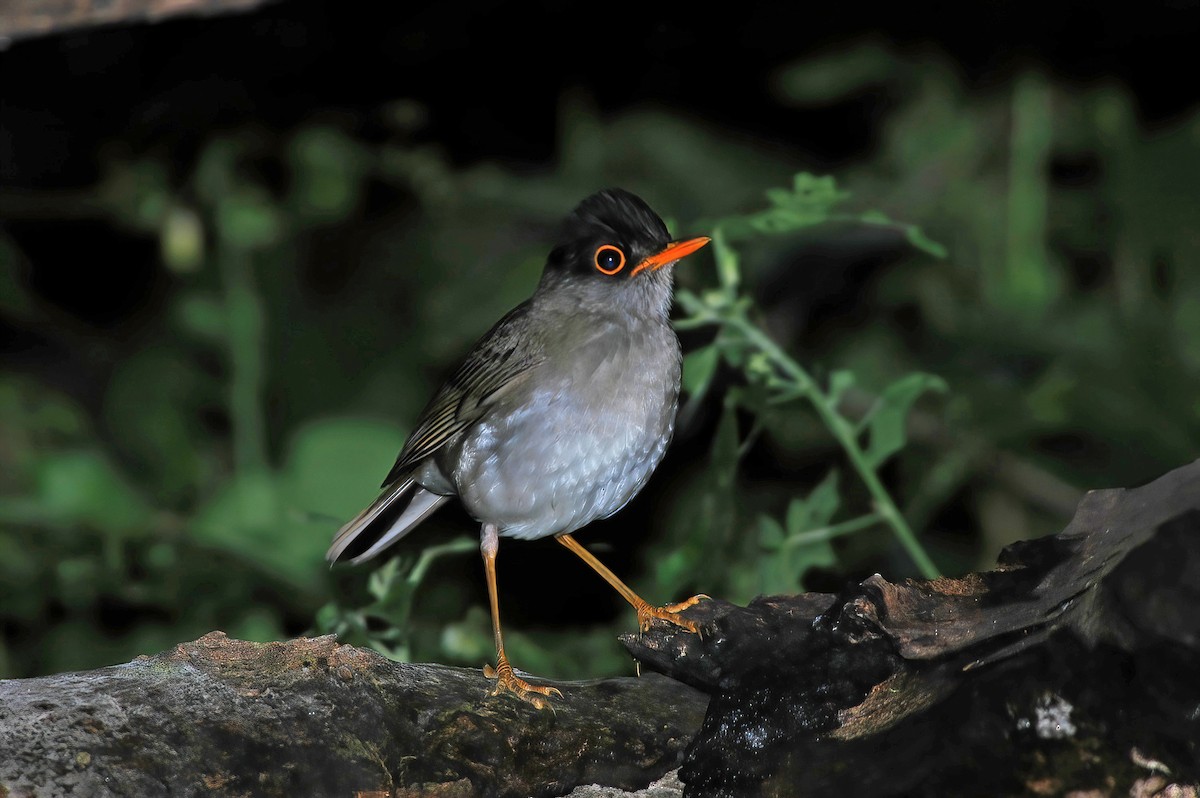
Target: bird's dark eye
[(609, 259)]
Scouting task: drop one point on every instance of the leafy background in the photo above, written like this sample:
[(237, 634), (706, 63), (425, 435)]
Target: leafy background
[(953, 287)]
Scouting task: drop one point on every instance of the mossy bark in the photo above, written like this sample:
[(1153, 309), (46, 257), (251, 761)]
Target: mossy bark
[(311, 717)]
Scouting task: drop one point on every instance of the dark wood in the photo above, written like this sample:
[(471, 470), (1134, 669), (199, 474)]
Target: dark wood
[(1076, 658)]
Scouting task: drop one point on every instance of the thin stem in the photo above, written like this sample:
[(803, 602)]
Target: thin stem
[(823, 533), (750, 439), (246, 334), (1027, 281), (847, 437), (429, 555)]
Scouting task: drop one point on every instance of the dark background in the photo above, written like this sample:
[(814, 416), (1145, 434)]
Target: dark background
[(238, 252)]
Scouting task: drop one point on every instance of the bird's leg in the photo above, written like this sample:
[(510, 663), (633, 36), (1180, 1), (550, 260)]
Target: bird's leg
[(644, 610), (489, 545)]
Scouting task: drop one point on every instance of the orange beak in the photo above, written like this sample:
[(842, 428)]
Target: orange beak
[(673, 252)]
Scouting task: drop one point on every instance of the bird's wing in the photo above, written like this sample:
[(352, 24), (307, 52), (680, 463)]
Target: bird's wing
[(499, 362)]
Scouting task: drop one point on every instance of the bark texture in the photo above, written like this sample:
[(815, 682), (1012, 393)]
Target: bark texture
[(311, 717), (1072, 666)]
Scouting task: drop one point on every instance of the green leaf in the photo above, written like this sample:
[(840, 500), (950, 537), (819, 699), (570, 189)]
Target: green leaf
[(779, 196), (886, 422), (256, 623), (246, 518), (328, 174), (808, 203), (725, 448), (181, 239), (770, 533), (825, 79), (810, 192), (215, 173), (840, 382), (247, 218), (698, 369), (812, 555), (84, 487), (1048, 399), (728, 261), (334, 466), (203, 315), (760, 368), (384, 579), (786, 220), (675, 569), (284, 521), (918, 239), (784, 571), (815, 509), (152, 403), (137, 192), (470, 639), (393, 593), (714, 514), (329, 619)]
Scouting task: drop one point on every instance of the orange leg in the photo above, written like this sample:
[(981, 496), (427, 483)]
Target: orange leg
[(506, 680), (645, 612)]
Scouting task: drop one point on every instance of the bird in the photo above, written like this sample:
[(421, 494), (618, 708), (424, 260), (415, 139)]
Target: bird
[(557, 416)]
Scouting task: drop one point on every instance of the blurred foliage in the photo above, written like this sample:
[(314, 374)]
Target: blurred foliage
[(314, 294), (811, 202)]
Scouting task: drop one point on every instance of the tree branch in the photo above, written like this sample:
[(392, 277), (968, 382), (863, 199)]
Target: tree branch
[(311, 717)]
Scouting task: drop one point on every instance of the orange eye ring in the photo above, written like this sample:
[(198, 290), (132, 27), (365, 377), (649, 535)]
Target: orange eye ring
[(605, 262)]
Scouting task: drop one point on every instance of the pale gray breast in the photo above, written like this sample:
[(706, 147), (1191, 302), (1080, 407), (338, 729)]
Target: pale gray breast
[(580, 439)]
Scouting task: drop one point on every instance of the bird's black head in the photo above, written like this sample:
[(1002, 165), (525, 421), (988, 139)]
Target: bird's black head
[(611, 239), (608, 235)]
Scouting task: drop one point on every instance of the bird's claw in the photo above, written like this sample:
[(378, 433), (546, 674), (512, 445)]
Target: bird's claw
[(670, 614), (509, 682)]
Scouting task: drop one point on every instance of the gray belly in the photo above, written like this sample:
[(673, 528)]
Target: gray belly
[(574, 448)]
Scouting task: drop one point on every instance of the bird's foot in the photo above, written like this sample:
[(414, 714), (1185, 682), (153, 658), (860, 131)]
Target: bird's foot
[(669, 613), (507, 681)]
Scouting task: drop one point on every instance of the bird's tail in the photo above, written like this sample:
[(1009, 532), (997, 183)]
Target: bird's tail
[(390, 517)]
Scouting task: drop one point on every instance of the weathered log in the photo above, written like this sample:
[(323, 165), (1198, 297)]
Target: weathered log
[(1074, 665), (310, 717)]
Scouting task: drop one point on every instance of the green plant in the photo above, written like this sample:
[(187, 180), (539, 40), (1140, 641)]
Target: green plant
[(804, 540), (385, 623)]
